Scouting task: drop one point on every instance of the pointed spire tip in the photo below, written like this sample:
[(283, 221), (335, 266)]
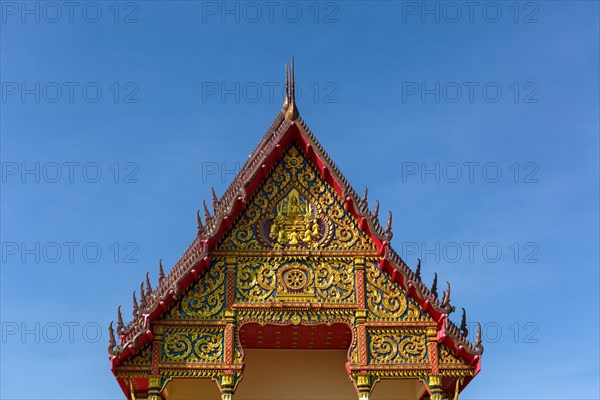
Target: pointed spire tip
[(289, 104)]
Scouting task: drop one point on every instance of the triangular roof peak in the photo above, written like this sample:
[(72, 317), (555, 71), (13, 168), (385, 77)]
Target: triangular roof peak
[(287, 127)]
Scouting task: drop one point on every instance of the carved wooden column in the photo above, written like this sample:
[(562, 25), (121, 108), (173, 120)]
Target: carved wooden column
[(231, 265), (229, 337), (359, 268), (433, 351), (363, 381), (361, 337)]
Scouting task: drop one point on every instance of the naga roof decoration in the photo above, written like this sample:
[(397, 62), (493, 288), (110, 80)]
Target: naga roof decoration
[(288, 140)]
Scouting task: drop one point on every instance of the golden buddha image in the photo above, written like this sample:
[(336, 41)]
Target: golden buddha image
[(294, 221)]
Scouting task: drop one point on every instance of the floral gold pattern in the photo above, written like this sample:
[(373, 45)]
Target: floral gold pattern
[(193, 345), (397, 346), (387, 301), (256, 280), (446, 357), (205, 299)]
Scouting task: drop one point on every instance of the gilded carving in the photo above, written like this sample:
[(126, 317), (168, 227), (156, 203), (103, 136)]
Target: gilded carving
[(335, 280), (205, 299), (256, 280), (386, 300), (141, 359), (295, 282), (446, 357), (295, 209), (397, 346), (193, 345), (328, 280), (294, 223), (297, 317)]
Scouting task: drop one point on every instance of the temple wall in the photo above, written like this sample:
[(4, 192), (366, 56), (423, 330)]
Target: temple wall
[(293, 375)]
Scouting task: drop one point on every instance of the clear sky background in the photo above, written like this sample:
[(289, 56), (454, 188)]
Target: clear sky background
[(166, 99)]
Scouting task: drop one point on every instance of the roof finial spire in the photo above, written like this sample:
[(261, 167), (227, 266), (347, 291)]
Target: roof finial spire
[(286, 101), (291, 111)]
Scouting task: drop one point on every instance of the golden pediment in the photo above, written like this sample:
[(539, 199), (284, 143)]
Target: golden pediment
[(294, 209)]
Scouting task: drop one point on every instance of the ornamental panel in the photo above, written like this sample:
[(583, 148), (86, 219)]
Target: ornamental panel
[(297, 317), (391, 346), (326, 280), (447, 358), (193, 345), (141, 360), (386, 300), (205, 299)]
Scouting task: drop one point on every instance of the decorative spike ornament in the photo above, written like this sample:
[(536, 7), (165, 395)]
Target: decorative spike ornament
[(199, 222), (463, 323), (215, 201), (142, 297), (418, 270), (365, 193), (112, 343), (446, 299), (478, 336), (136, 308), (120, 324), (148, 286), (161, 272), (388, 227), (207, 216), (434, 291), (376, 209)]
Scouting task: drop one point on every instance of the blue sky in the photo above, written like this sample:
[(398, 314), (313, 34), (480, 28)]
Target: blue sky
[(477, 127)]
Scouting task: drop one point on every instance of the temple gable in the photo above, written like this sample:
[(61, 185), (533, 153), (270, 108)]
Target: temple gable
[(295, 210)]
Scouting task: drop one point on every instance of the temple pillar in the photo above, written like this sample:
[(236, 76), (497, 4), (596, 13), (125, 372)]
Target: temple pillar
[(154, 387), (227, 384), (231, 265), (433, 351), (229, 337), (434, 386), (361, 336), (154, 382), (364, 383), (359, 268)]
